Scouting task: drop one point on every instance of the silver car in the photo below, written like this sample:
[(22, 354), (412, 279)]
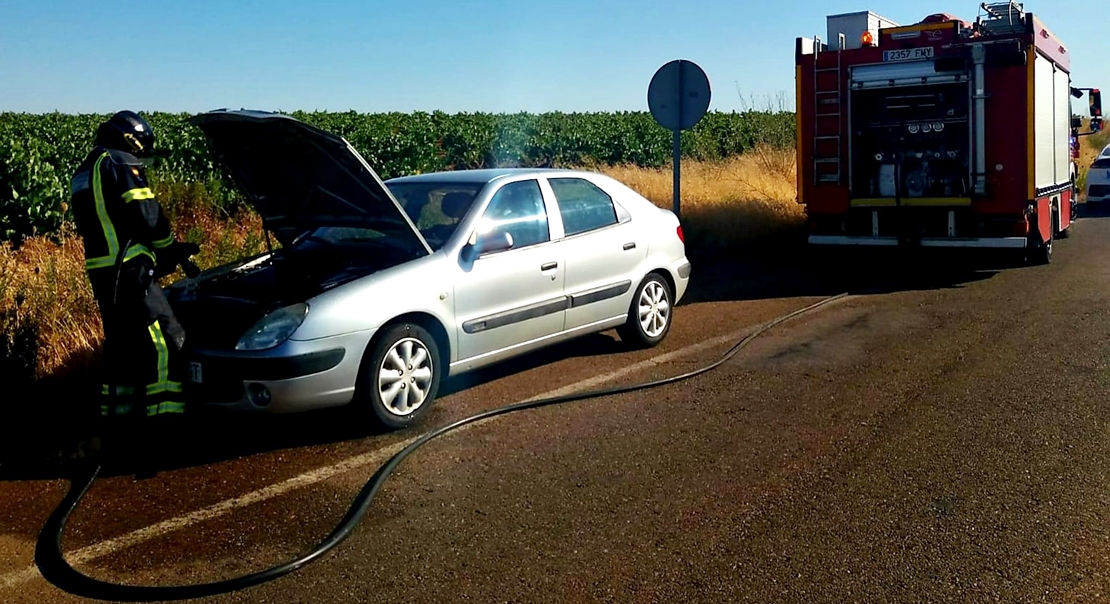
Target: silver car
[(380, 290)]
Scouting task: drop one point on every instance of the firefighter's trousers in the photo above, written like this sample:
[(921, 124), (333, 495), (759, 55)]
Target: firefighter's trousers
[(142, 342)]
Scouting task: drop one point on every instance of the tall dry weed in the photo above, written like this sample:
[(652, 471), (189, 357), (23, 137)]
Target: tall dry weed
[(726, 206)]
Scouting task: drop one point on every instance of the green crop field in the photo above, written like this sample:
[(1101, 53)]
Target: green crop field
[(39, 152)]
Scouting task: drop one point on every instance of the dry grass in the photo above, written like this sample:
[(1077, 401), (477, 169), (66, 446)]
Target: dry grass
[(729, 205), (50, 325), (1087, 154), (46, 306)]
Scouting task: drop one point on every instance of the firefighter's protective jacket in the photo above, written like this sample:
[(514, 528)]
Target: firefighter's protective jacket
[(115, 211)]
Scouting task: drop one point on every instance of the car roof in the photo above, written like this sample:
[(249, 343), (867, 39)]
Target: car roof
[(478, 176)]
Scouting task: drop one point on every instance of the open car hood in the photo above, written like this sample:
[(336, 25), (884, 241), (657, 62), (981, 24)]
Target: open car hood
[(299, 177)]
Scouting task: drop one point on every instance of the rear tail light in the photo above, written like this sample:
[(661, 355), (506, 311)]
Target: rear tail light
[(681, 237)]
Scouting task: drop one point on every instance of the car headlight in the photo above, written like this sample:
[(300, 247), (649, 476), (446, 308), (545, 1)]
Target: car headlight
[(274, 328)]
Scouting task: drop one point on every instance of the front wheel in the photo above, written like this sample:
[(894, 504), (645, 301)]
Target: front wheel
[(400, 377), (649, 317)]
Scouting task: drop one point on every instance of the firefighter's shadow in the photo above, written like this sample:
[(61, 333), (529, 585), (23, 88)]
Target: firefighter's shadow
[(60, 431)]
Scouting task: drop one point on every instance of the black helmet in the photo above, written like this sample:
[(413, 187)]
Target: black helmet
[(127, 131)]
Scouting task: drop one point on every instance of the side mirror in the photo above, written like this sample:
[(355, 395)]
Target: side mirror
[(494, 241), (1096, 124), (1094, 99)]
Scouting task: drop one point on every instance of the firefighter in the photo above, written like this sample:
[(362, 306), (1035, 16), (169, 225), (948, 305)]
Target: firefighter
[(128, 247)]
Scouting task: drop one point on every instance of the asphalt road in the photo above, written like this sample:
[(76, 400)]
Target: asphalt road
[(940, 436)]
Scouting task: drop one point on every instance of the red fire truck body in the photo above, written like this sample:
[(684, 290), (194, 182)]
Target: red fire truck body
[(938, 134)]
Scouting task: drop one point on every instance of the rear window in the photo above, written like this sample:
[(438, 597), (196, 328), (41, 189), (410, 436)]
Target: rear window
[(584, 206)]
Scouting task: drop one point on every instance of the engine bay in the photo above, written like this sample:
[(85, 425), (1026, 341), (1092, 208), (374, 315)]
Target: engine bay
[(218, 307)]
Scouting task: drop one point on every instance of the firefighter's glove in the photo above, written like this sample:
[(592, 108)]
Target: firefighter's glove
[(191, 270), (175, 254), (184, 249)]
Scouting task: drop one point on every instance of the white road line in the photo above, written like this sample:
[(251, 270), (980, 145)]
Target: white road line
[(104, 548)]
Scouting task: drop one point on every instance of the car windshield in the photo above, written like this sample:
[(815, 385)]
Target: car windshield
[(332, 234), (336, 236), (435, 207)]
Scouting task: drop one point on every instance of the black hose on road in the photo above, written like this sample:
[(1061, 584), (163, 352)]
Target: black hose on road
[(55, 569)]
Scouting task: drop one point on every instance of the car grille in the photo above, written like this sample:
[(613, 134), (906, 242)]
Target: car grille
[(1098, 191)]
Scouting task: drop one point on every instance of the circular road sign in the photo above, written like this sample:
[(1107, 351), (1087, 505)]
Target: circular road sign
[(678, 95)]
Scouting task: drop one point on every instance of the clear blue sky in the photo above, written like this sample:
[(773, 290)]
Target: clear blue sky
[(452, 55)]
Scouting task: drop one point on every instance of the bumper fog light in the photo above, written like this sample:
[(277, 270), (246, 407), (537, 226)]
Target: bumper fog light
[(259, 395)]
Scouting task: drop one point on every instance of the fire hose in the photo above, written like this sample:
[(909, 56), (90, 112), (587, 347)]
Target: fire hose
[(52, 564)]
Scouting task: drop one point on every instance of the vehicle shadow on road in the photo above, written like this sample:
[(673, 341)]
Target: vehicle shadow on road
[(791, 271), (598, 344), (773, 276), (1087, 210), (52, 431), (53, 426)]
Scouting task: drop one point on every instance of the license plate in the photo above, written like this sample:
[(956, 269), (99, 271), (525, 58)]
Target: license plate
[(908, 54), (195, 374)]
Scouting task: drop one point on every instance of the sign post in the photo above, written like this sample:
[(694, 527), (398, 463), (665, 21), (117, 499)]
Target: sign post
[(678, 98)]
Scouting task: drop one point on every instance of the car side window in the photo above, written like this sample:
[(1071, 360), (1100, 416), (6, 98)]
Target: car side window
[(436, 208), (583, 205), (517, 209)]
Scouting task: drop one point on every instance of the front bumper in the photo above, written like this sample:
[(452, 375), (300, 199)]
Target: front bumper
[(935, 242), (296, 376)]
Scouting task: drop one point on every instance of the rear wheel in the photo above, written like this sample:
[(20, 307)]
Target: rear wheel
[(649, 316), (400, 376), (1040, 252)]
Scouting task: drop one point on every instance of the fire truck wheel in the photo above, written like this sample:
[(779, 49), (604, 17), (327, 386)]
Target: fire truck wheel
[(1040, 252)]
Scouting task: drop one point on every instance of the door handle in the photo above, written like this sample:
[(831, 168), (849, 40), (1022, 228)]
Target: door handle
[(548, 266), (630, 246)]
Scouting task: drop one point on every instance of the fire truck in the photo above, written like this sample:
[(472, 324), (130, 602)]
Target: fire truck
[(940, 134)]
